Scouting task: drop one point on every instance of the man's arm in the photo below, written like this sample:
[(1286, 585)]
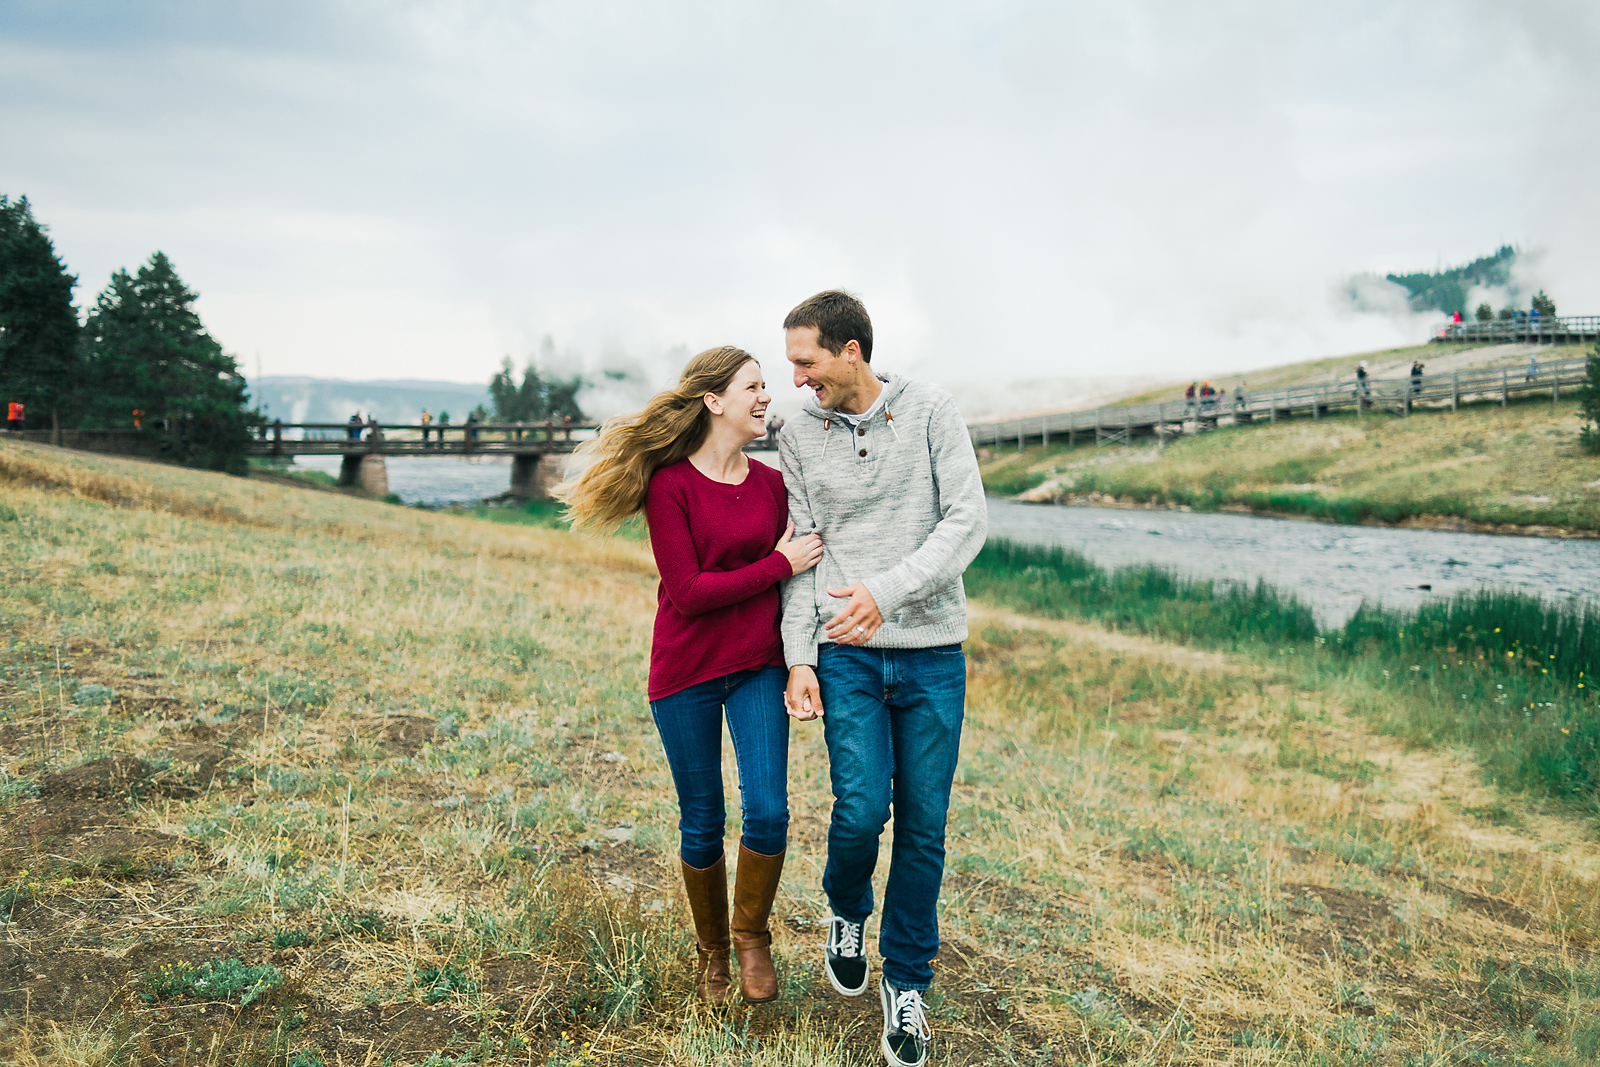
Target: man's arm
[(798, 625), (963, 522)]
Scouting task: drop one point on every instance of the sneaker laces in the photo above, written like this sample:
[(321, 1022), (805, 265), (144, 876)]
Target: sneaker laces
[(909, 1015), (844, 937)]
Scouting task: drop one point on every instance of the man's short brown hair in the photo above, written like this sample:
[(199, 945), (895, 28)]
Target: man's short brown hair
[(838, 317)]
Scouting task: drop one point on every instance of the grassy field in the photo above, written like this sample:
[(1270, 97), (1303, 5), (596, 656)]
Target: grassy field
[(295, 778), (1483, 465)]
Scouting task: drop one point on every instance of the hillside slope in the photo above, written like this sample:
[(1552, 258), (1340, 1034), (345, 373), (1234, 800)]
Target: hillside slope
[(291, 777), (1492, 467)]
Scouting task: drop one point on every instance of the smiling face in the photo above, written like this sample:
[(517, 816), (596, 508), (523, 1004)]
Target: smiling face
[(836, 380), (742, 407)]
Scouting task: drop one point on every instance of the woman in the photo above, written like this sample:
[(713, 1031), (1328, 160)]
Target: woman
[(722, 541)]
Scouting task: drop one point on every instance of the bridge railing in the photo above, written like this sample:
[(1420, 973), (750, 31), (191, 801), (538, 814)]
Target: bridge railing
[(1399, 395), (1524, 329), (286, 438)]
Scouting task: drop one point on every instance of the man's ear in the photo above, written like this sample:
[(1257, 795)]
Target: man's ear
[(851, 351)]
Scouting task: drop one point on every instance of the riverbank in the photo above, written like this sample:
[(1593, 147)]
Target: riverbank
[(1484, 469), (294, 777)]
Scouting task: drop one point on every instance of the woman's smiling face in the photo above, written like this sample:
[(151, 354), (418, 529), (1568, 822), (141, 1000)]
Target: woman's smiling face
[(744, 402)]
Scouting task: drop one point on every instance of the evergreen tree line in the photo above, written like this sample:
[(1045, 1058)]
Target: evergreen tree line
[(1447, 290), (140, 359), (536, 398)]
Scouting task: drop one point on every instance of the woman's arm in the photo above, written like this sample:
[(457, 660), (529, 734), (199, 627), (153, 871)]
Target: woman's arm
[(694, 591)]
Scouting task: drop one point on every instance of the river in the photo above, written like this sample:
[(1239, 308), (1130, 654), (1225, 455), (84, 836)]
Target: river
[(1332, 568)]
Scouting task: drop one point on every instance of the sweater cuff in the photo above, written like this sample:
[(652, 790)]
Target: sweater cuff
[(889, 590), (801, 650), (778, 567)]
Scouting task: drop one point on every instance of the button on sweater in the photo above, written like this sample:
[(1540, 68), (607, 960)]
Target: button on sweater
[(718, 603)]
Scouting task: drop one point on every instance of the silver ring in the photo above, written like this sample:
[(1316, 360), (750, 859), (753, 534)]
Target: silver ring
[(861, 629)]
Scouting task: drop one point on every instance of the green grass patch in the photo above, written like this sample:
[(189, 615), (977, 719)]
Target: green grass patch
[(1508, 674)]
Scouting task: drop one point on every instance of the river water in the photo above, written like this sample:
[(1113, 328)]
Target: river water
[(1331, 568), (433, 481)]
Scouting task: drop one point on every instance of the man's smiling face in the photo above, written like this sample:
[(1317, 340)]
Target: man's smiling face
[(832, 378)]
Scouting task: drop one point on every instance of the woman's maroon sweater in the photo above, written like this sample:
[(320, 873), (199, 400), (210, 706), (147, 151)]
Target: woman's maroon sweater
[(717, 607)]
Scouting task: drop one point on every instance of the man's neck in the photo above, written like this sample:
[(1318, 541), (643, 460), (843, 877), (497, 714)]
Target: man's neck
[(866, 393)]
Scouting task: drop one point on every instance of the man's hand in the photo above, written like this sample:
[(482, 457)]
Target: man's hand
[(860, 618), (803, 699)]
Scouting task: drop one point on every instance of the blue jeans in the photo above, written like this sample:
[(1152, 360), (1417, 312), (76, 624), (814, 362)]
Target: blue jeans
[(690, 724), (893, 729)]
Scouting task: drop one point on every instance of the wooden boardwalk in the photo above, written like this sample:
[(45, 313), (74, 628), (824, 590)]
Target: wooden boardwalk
[(1527, 330), (1121, 425)]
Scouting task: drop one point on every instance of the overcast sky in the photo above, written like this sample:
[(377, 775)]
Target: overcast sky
[(381, 188)]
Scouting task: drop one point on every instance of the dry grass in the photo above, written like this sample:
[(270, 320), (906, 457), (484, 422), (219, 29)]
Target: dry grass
[(405, 760), (1519, 465)]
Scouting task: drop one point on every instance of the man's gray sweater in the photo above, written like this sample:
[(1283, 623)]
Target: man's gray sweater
[(899, 504)]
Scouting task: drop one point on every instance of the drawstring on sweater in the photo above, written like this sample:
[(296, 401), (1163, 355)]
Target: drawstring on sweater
[(827, 428), (889, 416)]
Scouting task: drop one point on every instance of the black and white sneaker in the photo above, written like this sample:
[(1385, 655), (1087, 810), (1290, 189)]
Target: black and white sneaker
[(905, 1026), (846, 956)]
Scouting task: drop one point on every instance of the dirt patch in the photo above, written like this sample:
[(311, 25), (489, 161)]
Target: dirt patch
[(112, 777)]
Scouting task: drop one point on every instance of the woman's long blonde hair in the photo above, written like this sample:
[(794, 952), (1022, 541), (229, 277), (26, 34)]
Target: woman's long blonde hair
[(631, 448)]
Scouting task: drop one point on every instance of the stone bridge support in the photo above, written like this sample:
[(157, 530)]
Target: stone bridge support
[(533, 475), (366, 470)]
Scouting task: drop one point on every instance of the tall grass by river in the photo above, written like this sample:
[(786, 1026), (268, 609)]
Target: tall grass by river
[(1510, 674)]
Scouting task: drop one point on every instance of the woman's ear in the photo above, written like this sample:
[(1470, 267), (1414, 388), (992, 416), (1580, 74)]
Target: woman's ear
[(713, 403)]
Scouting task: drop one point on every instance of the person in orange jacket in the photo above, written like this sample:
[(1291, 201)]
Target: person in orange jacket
[(15, 419)]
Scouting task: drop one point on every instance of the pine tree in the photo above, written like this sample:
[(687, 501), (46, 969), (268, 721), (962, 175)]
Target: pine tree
[(1589, 401), (146, 350), (1544, 305), (38, 324), (537, 398)]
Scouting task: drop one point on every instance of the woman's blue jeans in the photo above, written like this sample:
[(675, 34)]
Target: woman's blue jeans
[(690, 724), (893, 729)]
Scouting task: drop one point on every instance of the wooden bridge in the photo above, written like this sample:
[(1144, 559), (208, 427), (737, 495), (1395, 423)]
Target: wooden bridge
[(1523, 330), (1121, 425), (364, 446)]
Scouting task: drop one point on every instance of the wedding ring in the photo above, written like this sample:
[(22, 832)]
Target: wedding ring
[(861, 629)]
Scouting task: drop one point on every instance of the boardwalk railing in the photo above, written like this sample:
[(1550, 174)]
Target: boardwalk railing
[(1172, 418), (1524, 329), (456, 439)]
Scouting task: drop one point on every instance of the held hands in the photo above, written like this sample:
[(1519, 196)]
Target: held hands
[(802, 554), (859, 620), (803, 699)]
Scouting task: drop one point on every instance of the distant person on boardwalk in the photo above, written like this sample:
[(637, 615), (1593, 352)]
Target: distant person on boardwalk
[(444, 424), (1188, 395), (1361, 381), (426, 418), (1533, 368), (353, 427), (774, 428), (883, 468), (138, 418), (723, 542), (16, 419), (1416, 377), (1457, 318), (1238, 397)]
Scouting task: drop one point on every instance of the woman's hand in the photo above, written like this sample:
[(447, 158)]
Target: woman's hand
[(802, 554)]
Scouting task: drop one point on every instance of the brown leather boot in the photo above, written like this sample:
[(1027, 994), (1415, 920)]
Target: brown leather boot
[(707, 890), (754, 888)]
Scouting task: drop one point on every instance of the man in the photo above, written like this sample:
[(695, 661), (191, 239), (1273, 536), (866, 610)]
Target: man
[(16, 416), (426, 419), (883, 469)]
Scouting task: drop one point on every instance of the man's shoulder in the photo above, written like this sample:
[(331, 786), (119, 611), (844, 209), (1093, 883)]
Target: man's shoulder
[(920, 392)]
